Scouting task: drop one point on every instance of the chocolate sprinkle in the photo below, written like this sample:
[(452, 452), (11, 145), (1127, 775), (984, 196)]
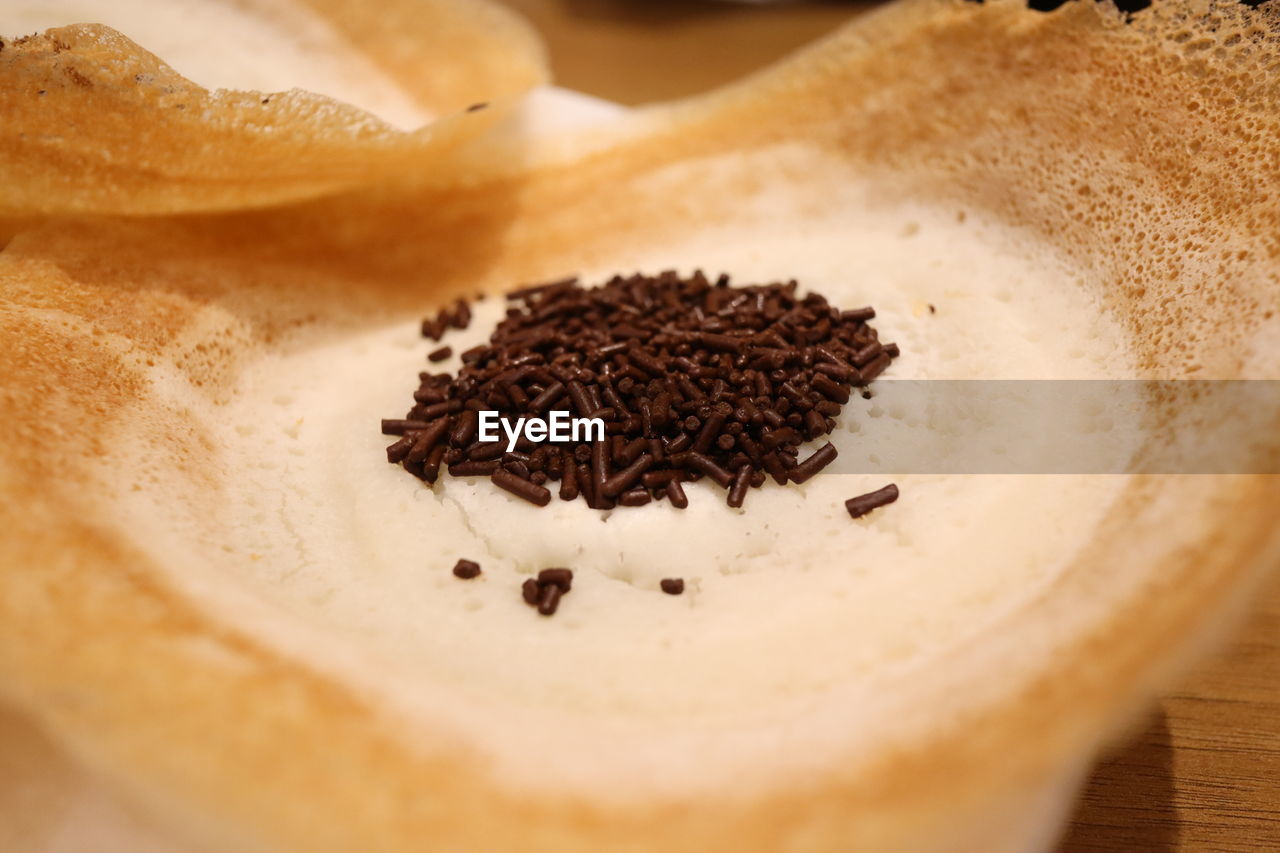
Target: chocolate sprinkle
[(675, 493), (521, 487), (635, 497), (562, 578), (819, 459), (693, 379), (738, 490), (549, 600), (531, 592), (466, 569), (863, 504)]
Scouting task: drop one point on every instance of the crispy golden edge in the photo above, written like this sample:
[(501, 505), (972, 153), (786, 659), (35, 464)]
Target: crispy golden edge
[(96, 124), (328, 772)]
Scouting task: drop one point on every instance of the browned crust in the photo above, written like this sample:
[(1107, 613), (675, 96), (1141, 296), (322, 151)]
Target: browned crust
[(327, 770), (94, 123)]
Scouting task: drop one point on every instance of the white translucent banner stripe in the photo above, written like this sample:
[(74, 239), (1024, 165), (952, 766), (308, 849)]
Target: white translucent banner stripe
[(1061, 427)]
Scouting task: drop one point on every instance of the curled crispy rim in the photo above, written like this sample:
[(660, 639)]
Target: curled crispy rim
[(1144, 150), (96, 124)]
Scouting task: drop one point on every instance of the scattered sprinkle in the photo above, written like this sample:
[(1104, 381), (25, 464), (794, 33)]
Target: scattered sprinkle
[(466, 569), (545, 591), (863, 504)]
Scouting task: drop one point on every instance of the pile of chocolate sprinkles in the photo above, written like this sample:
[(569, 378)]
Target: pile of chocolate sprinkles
[(694, 379)]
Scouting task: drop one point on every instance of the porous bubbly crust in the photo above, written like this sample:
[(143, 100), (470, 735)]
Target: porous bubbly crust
[(150, 141)]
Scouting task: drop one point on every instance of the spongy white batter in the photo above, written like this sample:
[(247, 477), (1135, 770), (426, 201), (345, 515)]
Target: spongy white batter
[(785, 597)]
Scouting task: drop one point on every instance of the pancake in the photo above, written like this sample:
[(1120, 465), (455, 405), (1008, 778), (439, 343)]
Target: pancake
[(198, 483), (244, 133)]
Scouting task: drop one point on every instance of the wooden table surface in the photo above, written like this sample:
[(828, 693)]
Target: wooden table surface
[(1204, 774)]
